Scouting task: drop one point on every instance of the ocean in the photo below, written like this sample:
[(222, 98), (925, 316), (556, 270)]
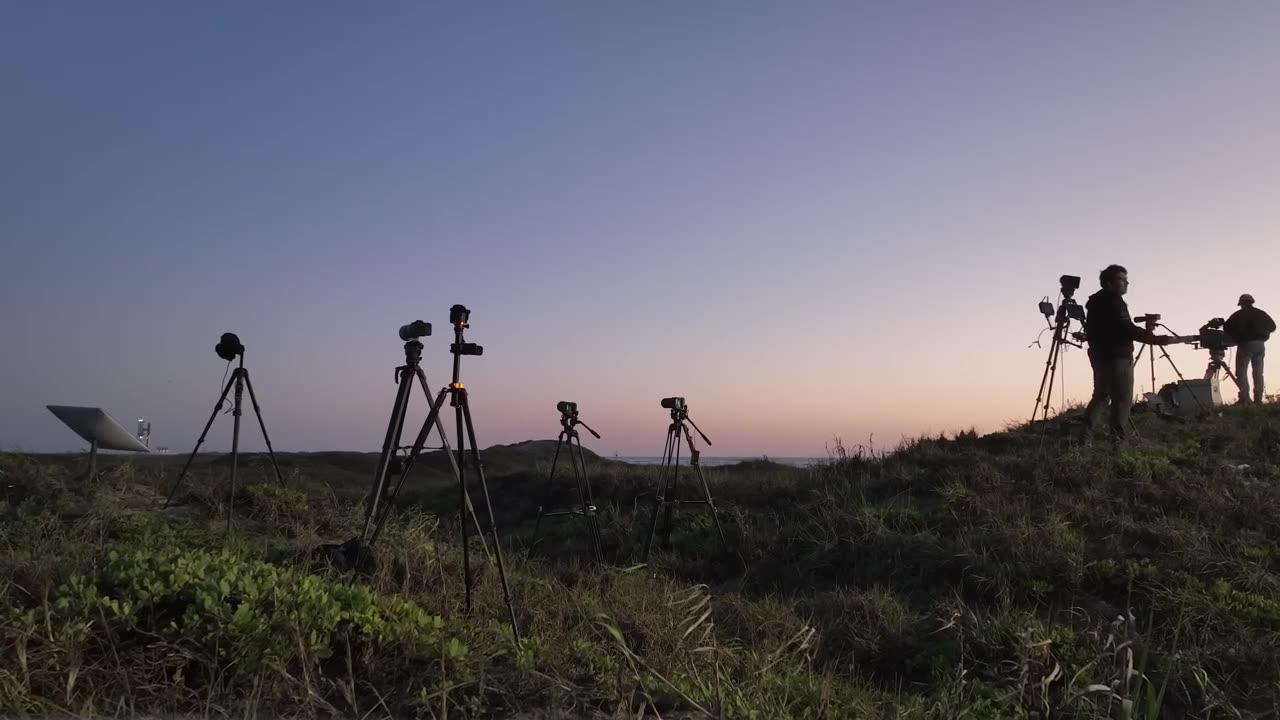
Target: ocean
[(714, 461)]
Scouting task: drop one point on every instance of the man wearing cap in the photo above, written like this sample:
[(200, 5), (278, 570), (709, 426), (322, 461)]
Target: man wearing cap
[(1250, 328)]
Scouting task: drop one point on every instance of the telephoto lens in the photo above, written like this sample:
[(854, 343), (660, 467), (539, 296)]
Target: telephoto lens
[(415, 329), (673, 403)]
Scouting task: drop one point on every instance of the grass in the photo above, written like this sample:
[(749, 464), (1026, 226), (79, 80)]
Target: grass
[(1011, 575)]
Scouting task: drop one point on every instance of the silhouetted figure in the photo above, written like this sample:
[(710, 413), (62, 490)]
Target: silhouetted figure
[(1111, 334), (1250, 328)]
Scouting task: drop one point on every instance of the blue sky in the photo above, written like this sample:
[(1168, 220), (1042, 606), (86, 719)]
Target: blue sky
[(812, 220)]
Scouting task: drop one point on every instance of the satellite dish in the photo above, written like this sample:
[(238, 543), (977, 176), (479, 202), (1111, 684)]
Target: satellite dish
[(99, 429)]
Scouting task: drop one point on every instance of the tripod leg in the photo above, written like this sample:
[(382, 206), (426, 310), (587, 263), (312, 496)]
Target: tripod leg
[(1177, 372), (488, 506), (1054, 353), (212, 416), (389, 444), (464, 496), (706, 489), (593, 522), (550, 493), (674, 498), (258, 411), (1046, 379), (660, 496), (235, 441), (433, 421)]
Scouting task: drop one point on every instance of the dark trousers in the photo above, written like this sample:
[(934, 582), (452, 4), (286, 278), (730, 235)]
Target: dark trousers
[(1113, 385)]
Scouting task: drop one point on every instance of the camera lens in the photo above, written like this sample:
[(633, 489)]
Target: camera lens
[(415, 329), (673, 403), (567, 408)]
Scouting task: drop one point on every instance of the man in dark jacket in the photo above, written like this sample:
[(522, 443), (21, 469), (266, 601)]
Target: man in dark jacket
[(1111, 334), (1250, 328)]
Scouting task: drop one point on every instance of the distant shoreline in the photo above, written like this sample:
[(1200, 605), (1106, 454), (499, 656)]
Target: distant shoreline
[(718, 461)]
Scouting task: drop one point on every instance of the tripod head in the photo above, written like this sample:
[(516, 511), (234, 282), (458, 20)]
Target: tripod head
[(460, 318), (680, 414), (569, 418)]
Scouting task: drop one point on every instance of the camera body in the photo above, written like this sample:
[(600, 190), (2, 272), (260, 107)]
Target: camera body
[(229, 347), (415, 330), (673, 403), (1148, 319), (460, 315), (466, 348), (567, 408), (1213, 338), (1069, 283)]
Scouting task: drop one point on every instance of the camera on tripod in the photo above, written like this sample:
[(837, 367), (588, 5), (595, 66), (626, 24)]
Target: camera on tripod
[(415, 330), (1069, 283), (566, 408), (459, 315), (229, 347), (1213, 337), (673, 403), (1148, 319)]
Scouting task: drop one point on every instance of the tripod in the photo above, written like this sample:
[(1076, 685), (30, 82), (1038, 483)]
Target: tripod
[(389, 462), (586, 506), (239, 380), (1151, 357), (669, 480), (1067, 311), (459, 316), (1218, 364)]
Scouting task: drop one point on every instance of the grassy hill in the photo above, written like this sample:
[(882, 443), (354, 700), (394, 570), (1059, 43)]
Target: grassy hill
[(1011, 575)]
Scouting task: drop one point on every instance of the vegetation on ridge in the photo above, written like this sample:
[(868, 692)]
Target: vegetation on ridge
[(1012, 575)]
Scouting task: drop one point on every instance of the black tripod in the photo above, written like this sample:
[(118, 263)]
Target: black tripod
[(459, 317), (669, 481), (1217, 363), (389, 462), (228, 349), (1067, 311), (1151, 322), (586, 506)]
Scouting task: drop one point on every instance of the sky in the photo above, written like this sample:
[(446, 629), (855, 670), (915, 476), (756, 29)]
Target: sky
[(815, 221)]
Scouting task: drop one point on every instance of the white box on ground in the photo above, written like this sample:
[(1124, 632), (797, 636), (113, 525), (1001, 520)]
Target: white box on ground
[(1190, 396)]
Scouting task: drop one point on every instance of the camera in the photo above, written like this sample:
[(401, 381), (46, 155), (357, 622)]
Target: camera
[(1213, 337), (229, 347), (1069, 283), (466, 348), (673, 403), (414, 330), (567, 408), (1148, 319), (460, 315)]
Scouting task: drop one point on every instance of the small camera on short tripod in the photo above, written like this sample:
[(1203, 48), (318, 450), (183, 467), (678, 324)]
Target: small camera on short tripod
[(673, 403)]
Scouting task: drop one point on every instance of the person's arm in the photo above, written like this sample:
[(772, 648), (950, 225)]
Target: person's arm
[(1268, 324)]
